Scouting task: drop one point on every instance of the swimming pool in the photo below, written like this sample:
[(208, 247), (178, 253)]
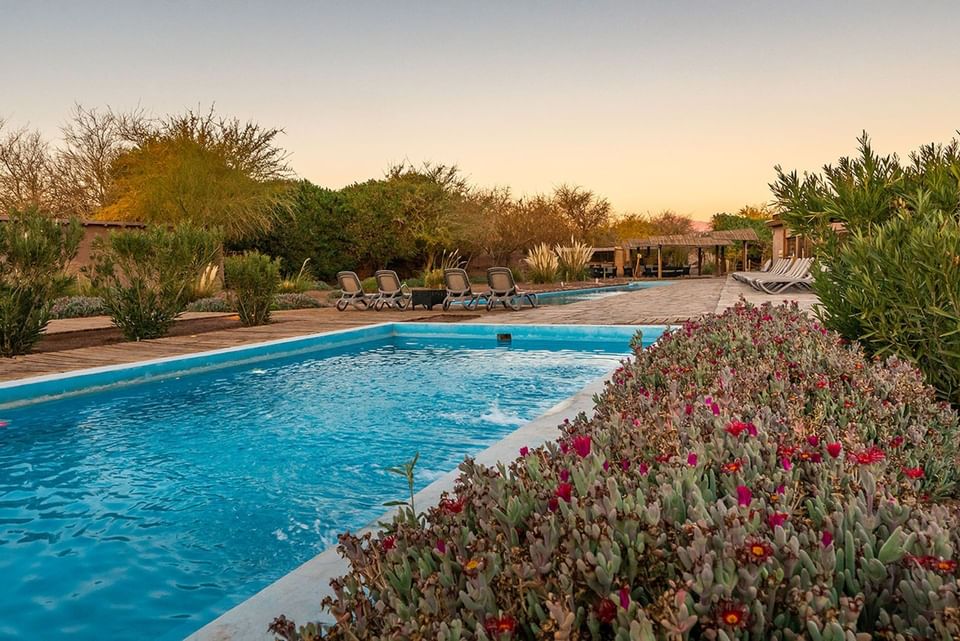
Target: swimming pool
[(152, 505), (566, 297)]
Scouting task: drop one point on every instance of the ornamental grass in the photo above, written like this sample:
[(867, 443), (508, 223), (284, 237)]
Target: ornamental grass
[(748, 477)]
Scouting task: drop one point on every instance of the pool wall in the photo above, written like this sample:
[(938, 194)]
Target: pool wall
[(41, 388)]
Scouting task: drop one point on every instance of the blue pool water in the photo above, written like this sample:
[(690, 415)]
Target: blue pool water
[(565, 297), (147, 510)]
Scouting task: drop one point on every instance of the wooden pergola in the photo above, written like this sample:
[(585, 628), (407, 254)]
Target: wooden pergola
[(718, 240)]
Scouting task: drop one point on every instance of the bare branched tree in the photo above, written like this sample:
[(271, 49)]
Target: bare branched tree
[(25, 171), (586, 211)]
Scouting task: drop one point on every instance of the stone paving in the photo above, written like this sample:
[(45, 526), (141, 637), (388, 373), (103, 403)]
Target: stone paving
[(666, 304)]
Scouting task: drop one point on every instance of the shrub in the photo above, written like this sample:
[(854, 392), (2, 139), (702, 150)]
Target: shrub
[(573, 260), (77, 307), (146, 275), (295, 301), (34, 250), (253, 279), (207, 284), (433, 278), (369, 285), (211, 304), (542, 264), (749, 477), (299, 283)]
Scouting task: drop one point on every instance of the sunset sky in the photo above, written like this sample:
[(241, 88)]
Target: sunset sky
[(681, 105)]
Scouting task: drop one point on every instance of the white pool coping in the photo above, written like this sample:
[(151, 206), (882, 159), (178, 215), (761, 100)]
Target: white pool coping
[(298, 594)]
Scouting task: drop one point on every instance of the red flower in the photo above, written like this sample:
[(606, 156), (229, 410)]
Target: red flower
[(822, 383), (625, 597), (450, 506), (777, 518), (758, 551), (499, 626), (606, 611), (870, 455), (553, 504), (733, 614), (913, 472), (896, 441), (735, 428), (715, 409), (826, 538), (644, 468), (388, 543), (524, 451), (732, 467), (662, 458), (564, 491), (688, 410), (582, 445), (833, 449), (624, 464), (744, 495), (564, 475), (944, 566), (691, 459), (441, 546), (813, 440)]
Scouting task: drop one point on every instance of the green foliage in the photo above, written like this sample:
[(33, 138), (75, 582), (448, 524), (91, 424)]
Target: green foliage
[(369, 285), (433, 278), (757, 220), (542, 264), (253, 279), (295, 301), (77, 307), (300, 282), (891, 280), (749, 477), (211, 304), (34, 250), (146, 276)]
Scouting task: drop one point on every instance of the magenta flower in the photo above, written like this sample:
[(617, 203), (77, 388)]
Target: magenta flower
[(624, 597), (644, 468), (785, 462), (744, 495), (441, 546), (691, 459), (777, 518), (813, 440), (582, 445), (715, 409), (564, 475), (751, 429), (624, 464), (781, 489), (524, 451), (826, 538), (688, 410)]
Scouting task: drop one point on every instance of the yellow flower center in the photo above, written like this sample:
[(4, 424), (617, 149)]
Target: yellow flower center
[(731, 618), (758, 550), (472, 565)]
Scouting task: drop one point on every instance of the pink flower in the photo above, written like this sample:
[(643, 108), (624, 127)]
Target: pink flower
[(751, 429), (606, 466), (833, 449), (524, 451), (781, 489), (582, 445), (785, 462), (624, 597), (813, 440), (708, 401), (691, 459), (644, 468), (826, 538), (564, 475), (777, 518), (913, 472), (744, 495), (715, 409), (624, 464)]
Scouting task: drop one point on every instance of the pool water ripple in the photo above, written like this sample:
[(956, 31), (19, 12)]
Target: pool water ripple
[(153, 508)]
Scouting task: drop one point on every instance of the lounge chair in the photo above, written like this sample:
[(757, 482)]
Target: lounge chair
[(799, 275), (503, 290), (393, 293), (780, 266), (352, 292), (459, 289)]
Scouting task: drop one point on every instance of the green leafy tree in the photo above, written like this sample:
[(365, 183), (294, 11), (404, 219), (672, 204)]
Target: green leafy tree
[(749, 217), (145, 276), (34, 251)]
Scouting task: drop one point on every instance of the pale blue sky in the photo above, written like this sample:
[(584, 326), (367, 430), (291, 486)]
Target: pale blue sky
[(686, 105)]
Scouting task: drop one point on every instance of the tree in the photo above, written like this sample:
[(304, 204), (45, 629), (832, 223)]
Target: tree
[(198, 169), (25, 171), (586, 212), (629, 227)]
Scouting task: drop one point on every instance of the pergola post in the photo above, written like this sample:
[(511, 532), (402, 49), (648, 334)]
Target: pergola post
[(745, 267), (716, 258), (699, 261), (659, 261)]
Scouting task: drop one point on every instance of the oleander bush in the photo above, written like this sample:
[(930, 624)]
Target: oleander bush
[(77, 307), (749, 477), (34, 251), (253, 279), (146, 276)]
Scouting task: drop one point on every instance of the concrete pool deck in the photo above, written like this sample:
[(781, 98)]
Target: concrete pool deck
[(679, 301)]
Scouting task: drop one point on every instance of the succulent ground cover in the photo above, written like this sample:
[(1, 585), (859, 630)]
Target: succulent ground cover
[(749, 477)]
